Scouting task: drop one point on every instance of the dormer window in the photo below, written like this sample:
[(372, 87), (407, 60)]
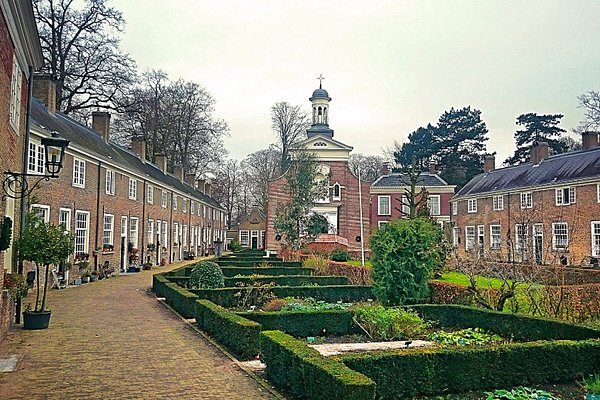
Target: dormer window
[(320, 144), (337, 192)]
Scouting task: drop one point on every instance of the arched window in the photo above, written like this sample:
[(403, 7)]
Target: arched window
[(320, 144), (337, 191), (320, 120)]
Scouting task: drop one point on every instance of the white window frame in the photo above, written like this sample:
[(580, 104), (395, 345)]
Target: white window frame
[(14, 114), (555, 236), (108, 229), (595, 238), (455, 235), (134, 229), (44, 209), (175, 233), (498, 203), (110, 182), (36, 158), (455, 208), (124, 227), (339, 190), (184, 205), (244, 237), (192, 208), (132, 189), (381, 223), (598, 192), (165, 234), (495, 238), (163, 199), (470, 239), (78, 172), (86, 233), (65, 222), (174, 201), (150, 231), (559, 195), (150, 194), (526, 200), (521, 237), (431, 206), (471, 206), (380, 210)]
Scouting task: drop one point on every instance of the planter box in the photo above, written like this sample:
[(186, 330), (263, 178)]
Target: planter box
[(77, 281), (592, 397), (36, 320)]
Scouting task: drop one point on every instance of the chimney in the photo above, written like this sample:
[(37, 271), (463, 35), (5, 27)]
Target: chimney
[(201, 184), (101, 124), (178, 172), (138, 145), (161, 161), (539, 152), (190, 179), (489, 163), (207, 187), (386, 168), (589, 140), (44, 89), (432, 170)]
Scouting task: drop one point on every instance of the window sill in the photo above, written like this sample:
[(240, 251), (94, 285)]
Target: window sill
[(79, 186), (108, 252)]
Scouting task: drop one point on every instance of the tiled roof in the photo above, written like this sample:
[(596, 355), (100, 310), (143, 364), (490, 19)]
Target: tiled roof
[(84, 138), (557, 169), (402, 180)]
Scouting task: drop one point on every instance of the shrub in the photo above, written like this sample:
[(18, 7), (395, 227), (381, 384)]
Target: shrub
[(235, 246), (403, 254), (340, 255), (274, 305), (318, 263), (520, 393), (206, 275), (390, 323), (356, 275), (592, 384), (465, 337)]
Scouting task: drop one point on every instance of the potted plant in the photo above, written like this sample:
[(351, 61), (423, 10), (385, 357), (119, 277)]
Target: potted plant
[(591, 385), (83, 271), (94, 276), (16, 285), (44, 245), (108, 248), (150, 247)]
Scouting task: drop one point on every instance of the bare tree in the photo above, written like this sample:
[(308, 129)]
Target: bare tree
[(262, 166), (82, 53), (370, 166), (589, 101), (229, 189), (289, 124)]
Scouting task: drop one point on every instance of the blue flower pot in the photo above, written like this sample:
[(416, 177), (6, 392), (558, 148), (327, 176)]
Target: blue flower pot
[(36, 320)]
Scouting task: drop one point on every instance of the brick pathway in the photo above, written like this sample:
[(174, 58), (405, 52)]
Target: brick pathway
[(113, 340)]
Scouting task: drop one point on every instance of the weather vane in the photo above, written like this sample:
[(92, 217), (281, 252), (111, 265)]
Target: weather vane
[(320, 78)]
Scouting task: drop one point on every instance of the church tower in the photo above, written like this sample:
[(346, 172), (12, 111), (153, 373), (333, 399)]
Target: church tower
[(320, 112)]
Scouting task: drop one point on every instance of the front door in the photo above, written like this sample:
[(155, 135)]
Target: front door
[(538, 243), (254, 240)]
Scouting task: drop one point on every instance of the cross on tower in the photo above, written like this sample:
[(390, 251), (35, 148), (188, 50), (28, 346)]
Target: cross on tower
[(320, 78)]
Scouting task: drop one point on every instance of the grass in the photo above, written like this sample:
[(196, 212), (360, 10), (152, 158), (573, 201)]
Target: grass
[(462, 280), (358, 263)]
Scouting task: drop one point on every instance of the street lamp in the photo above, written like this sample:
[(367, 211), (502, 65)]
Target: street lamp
[(15, 184)]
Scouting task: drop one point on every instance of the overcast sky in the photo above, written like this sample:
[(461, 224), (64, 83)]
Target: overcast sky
[(390, 66)]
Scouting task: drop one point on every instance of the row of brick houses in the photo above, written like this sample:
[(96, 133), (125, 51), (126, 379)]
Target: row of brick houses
[(20, 54), (546, 210), (120, 206)]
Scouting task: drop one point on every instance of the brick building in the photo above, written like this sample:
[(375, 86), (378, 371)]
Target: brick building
[(115, 201), (20, 53), (388, 191), (546, 210), (341, 206), (250, 232)]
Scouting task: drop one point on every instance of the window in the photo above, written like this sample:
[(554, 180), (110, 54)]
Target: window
[(163, 199), (472, 205), (42, 211), (110, 182), (150, 231), (132, 189), (192, 207), (383, 205), (199, 210), (108, 230), (244, 238), (433, 202), (455, 208), (469, 237), (565, 196), (598, 192), (174, 201), (175, 233), (165, 233), (337, 192), (381, 223), (495, 237), (596, 238), (123, 227), (82, 232), (184, 206), (262, 239), (36, 159), (133, 231), (64, 219), (204, 211), (150, 194), (78, 173), (560, 236), (526, 200), (455, 236), (521, 236), (185, 236), (15, 95), (498, 203)]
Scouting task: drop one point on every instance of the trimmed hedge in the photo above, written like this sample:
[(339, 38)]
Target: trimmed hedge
[(250, 264), (289, 280), (234, 271), (507, 325), (306, 323), (302, 372), (240, 335), (226, 296), (408, 373), (181, 300), (158, 284)]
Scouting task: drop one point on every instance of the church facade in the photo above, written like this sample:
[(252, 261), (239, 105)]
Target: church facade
[(342, 205)]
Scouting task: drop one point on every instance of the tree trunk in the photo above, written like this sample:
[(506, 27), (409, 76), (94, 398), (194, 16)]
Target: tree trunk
[(37, 295), (43, 307)]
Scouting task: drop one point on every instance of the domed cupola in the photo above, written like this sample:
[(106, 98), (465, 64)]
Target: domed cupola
[(320, 112)]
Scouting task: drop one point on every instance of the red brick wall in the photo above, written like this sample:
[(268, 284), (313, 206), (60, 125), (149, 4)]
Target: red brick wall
[(578, 216)]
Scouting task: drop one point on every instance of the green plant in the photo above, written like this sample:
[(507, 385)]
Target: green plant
[(206, 275), (520, 393), (404, 253), (43, 244), (310, 304), (340, 255), (256, 295), (5, 233), (83, 266), (592, 384), (16, 285), (465, 337), (235, 246), (318, 263), (382, 323)]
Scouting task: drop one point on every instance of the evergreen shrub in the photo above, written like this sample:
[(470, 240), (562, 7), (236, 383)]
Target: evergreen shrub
[(206, 275)]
